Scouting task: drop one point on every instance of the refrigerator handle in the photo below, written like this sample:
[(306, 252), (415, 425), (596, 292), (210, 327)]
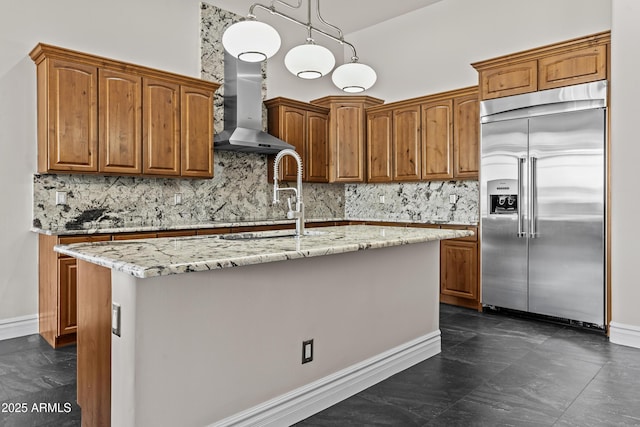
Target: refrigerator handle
[(521, 162), (533, 184)]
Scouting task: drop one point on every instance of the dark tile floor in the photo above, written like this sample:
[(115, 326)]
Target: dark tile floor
[(494, 370)]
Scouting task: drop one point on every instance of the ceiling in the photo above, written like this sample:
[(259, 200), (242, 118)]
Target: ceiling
[(348, 15)]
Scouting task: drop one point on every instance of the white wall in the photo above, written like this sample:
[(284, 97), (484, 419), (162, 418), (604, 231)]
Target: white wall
[(162, 34), (625, 152), (430, 50)]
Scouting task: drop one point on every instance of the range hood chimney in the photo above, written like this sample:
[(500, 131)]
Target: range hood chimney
[(243, 111)]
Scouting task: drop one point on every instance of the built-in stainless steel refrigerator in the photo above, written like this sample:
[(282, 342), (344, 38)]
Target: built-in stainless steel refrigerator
[(542, 202)]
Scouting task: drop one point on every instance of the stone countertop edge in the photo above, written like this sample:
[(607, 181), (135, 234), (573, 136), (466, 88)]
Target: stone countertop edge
[(224, 224), (164, 256)]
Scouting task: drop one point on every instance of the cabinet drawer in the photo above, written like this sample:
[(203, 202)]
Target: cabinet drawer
[(176, 233), (211, 231), (133, 236), (69, 240), (473, 228)]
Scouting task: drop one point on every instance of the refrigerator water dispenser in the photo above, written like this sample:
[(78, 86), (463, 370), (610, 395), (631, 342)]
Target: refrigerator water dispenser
[(503, 196)]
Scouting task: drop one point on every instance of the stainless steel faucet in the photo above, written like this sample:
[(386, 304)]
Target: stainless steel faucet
[(298, 212)]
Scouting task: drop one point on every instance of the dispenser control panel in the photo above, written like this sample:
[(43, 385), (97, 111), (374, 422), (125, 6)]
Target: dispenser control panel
[(503, 196)]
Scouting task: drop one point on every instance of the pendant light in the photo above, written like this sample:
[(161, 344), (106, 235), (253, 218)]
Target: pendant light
[(255, 41), (251, 40), (309, 61), (354, 77)]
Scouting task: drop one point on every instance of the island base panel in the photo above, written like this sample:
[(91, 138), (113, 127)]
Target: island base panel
[(217, 343), (94, 344)]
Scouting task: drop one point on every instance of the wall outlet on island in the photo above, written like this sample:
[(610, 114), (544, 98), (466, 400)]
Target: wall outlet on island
[(307, 351)]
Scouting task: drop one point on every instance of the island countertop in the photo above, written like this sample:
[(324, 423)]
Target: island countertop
[(164, 256)]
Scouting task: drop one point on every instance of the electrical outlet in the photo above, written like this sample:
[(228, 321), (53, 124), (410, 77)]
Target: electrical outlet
[(177, 199), (381, 199), (307, 351), (61, 197), (453, 198), (115, 319)]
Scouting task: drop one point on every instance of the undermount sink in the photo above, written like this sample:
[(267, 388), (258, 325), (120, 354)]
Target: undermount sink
[(269, 234)]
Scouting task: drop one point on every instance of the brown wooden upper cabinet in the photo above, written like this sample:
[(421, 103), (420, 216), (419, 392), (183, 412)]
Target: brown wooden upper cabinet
[(567, 63), (437, 139), (67, 116), (347, 136), (434, 137), (379, 145), (466, 136), (119, 121), (161, 127), (196, 131), (97, 115), (406, 152), (306, 127)]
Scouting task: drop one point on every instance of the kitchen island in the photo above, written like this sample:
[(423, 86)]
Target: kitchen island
[(224, 345)]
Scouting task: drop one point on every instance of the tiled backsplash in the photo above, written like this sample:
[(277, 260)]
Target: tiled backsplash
[(239, 189)]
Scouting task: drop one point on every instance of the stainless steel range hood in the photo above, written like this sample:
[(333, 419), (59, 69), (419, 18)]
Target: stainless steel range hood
[(243, 111)]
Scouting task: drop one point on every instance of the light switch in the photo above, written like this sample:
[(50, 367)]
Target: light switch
[(115, 319)]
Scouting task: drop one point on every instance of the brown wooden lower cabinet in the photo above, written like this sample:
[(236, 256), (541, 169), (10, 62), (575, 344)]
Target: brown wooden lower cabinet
[(57, 289), (459, 271)]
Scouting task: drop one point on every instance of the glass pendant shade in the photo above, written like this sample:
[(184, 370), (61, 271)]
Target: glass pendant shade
[(354, 77), (251, 41), (309, 61)]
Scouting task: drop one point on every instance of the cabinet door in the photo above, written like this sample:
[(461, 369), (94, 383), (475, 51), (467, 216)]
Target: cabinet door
[(347, 147), (466, 137), (379, 146), (161, 127), (506, 80), (120, 122), (459, 269), (196, 107), (72, 141), (406, 144), (437, 140), (67, 296), (317, 147), (571, 68), (294, 132)]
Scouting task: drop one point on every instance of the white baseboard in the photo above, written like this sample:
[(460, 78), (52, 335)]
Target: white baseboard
[(18, 327), (622, 334), (312, 398)]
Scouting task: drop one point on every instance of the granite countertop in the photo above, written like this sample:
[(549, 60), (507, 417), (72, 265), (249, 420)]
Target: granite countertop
[(164, 256), (133, 228), (136, 228)]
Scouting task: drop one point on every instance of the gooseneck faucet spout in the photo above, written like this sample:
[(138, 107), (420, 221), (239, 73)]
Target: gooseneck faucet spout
[(298, 212)]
